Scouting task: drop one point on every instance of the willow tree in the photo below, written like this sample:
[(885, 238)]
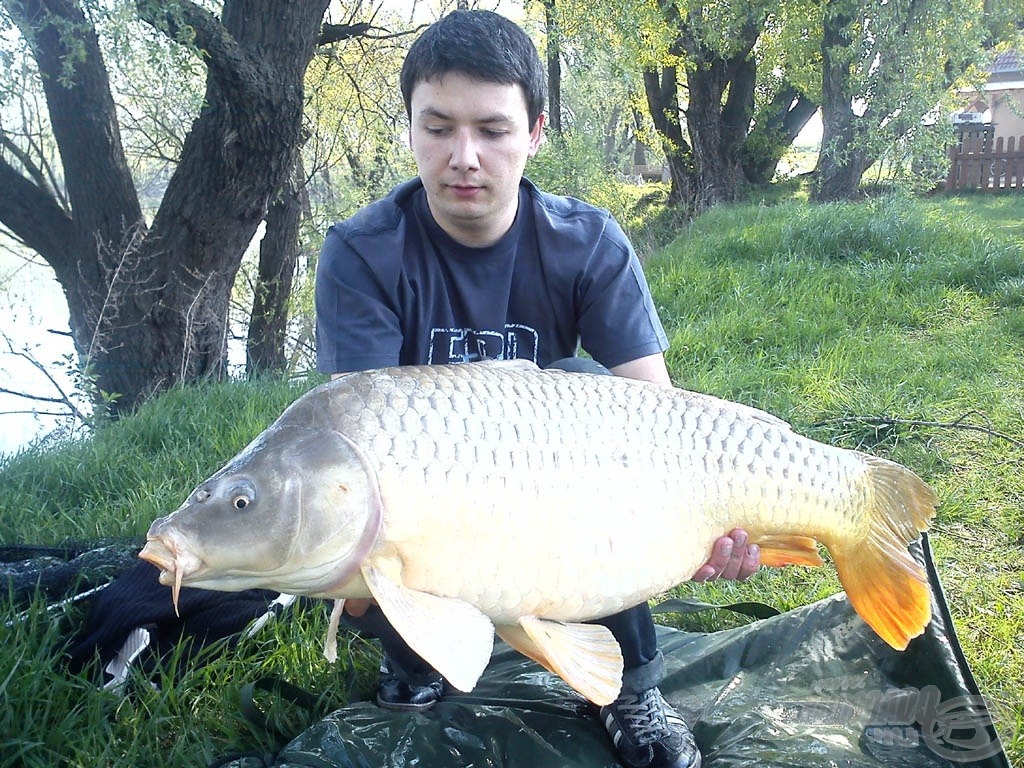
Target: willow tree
[(723, 118), (885, 66), (148, 300)]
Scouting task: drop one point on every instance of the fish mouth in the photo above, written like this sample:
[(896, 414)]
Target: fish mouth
[(175, 562)]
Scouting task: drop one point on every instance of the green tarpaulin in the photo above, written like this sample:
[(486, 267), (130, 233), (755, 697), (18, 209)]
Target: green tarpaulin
[(810, 687)]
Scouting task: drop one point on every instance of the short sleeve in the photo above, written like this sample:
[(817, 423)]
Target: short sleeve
[(617, 317), (357, 321)]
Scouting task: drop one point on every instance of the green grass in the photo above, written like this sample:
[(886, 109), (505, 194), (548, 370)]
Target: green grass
[(836, 317), (829, 316)]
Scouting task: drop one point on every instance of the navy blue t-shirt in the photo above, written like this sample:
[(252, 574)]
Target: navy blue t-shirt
[(392, 288)]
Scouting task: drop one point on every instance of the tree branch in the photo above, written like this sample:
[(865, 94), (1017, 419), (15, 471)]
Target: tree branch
[(185, 22), (889, 421), (34, 216), (62, 397), (335, 33)]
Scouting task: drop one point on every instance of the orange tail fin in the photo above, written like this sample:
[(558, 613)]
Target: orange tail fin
[(883, 582)]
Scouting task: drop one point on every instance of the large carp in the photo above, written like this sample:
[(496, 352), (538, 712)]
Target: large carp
[(497, 496)]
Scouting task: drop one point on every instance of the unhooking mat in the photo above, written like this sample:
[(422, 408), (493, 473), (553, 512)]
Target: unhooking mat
[(810, 687)]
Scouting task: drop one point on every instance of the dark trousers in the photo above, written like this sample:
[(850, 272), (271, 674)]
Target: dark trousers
[(633, 628)]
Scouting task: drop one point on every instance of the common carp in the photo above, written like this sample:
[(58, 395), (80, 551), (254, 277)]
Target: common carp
[(482, 497)]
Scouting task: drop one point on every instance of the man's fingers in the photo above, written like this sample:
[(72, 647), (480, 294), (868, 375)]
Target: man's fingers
[(731, 558), (751, 562)]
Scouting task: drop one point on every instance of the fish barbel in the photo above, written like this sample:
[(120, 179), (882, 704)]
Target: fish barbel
[(496, 496)]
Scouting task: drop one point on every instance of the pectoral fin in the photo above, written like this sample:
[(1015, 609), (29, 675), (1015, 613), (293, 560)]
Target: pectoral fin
[(331, 641), (516, 636), (451, 635), (586, 656)]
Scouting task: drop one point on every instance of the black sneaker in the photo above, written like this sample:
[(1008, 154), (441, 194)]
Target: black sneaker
[(648, 733), (394, 692)]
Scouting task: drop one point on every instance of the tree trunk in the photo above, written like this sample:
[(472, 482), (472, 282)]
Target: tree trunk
[(780, 124), (842, 159), (639, 148), (662, 94), (718, 123), (279, 253), (83, 245), (148, 307), (554, 62)]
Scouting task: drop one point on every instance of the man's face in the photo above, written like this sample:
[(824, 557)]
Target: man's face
[(471, 141)]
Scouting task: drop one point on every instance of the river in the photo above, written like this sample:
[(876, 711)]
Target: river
[(35, 329)]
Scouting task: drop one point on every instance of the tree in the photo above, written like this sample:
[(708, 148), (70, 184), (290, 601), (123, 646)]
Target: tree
[(350, 95), (662, 90), (721, 74), (723, 119), (148, 302), (885, 66), (788, 88), (845, 153), (279, 255)]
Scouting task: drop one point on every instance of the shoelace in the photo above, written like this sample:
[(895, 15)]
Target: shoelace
[(643, 718)]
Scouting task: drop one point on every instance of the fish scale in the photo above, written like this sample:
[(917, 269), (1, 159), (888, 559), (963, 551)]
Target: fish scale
[(496, 493)]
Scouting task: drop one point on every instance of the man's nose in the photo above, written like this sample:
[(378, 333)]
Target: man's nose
[(464, 152)]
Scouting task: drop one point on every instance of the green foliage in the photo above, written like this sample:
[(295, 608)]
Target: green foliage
[(570, 164)]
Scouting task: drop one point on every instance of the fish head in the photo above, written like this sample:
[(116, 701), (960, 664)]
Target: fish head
[(297, 511)]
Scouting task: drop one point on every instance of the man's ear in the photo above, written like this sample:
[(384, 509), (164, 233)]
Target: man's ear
[(537, 134)]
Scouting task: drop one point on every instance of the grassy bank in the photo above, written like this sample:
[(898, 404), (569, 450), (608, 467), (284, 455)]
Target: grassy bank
[(895, 327), (892, 326)]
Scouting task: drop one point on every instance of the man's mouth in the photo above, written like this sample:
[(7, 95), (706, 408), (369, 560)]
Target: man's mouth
[(464, 190)]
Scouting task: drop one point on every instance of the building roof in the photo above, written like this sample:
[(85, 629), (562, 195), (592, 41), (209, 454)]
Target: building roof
[(1007, 65)]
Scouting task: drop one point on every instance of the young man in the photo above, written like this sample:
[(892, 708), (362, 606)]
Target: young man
[(471, 261)]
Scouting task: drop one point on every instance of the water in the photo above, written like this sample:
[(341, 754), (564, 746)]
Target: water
[(36, 352), (34, 335)]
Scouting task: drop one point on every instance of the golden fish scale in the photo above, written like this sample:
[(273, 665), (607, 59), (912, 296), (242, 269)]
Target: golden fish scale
[(596, 492)]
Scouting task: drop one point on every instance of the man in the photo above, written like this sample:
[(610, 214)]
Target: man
[(471, 261)]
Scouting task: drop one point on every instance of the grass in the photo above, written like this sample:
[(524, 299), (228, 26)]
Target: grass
[(886, 326), (867, 325)]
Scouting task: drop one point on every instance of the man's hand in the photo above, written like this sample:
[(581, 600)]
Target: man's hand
[(731, 558), (357, 606)]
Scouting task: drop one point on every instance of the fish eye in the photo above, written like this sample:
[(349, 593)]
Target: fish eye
[(241, 496)]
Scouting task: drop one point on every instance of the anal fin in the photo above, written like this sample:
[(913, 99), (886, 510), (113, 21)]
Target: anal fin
[(778, 550), (451, 635), (586, 656)]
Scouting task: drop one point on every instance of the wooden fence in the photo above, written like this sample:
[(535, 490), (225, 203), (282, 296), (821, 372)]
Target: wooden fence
[(977, 161)]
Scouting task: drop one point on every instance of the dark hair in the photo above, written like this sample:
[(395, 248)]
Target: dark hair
[(482, 45)]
